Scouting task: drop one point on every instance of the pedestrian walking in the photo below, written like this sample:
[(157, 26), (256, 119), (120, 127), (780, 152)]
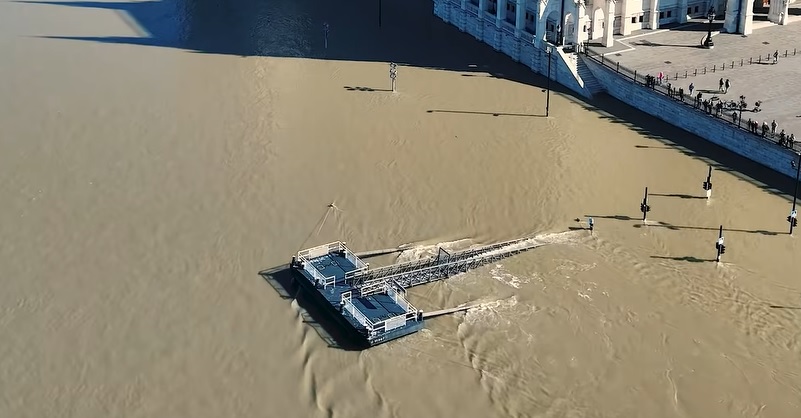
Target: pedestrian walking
[(773, 126), (776, 56), (727, 85), (720, 85), (692, 87)]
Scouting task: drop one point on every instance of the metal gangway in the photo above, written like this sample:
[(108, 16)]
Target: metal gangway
[(440, 266)]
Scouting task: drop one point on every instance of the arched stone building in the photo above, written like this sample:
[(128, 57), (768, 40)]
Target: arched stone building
[(565, 22)]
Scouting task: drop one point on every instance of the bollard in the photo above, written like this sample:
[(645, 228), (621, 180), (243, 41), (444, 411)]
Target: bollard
[(723, 67), (617, 68), (635, 76), (760, 59), (677, 76), (695, 72), (685, 74), (713, 68), (732, 64), (592, 224), (644, 208), (750, 61), (708, 183), (741, 62), (704, 70), (785, 53), (793, 51), (719, 245)]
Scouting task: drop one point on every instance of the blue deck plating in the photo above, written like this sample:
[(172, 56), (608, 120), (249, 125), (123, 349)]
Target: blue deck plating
[(374, 315)]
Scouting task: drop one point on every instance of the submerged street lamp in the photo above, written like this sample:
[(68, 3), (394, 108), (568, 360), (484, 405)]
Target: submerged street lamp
[(708, 43), (548, 94), (793, 218)]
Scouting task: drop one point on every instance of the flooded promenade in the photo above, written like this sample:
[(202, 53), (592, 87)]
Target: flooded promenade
[(156, 156)]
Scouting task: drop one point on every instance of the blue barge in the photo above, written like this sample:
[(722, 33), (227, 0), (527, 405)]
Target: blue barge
[(374, 312)]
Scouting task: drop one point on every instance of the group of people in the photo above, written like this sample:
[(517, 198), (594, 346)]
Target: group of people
[(785, 140)]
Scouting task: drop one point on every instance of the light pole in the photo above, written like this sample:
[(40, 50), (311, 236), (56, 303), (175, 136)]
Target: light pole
[(393, 73), (793, 218), (548, 94), (711, 16)]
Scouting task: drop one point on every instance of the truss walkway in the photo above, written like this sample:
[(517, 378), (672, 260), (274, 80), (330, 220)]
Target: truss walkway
[(438, 267)]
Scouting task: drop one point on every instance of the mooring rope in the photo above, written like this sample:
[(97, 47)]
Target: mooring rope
[(320, 223)]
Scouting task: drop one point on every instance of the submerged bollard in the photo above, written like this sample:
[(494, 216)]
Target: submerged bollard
[(719, 245), (708, 183), (592, 224)]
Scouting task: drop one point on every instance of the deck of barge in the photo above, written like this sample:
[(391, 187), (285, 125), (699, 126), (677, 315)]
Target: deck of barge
[(376, 307)]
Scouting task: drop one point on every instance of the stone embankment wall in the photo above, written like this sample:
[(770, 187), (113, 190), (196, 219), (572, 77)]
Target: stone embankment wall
[(503, 37), (691, 120)]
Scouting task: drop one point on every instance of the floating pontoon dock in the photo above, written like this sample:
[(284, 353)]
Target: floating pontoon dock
[(372, 303)]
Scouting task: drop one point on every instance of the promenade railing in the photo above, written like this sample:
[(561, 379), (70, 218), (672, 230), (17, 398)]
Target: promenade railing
[(724, 113), (721, 67)]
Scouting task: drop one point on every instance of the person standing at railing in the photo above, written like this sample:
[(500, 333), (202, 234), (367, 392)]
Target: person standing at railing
[(692, 87), (773, 126)]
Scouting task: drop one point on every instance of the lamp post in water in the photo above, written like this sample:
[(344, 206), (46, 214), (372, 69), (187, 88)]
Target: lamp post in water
[(548, 94), (793, 218), (708, 183), (719, 245), (393, 73), (644, 207), (711, 16)]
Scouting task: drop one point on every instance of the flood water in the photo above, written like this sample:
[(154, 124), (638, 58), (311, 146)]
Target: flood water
[(156, 156)]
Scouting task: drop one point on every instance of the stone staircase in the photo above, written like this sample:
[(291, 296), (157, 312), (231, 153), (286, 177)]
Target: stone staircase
[(590, 82)]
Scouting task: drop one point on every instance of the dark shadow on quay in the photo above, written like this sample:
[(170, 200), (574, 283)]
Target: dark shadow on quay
[(280, 278), (410, 36)]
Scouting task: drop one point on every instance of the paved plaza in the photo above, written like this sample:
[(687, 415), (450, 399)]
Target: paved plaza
[(678, 51)]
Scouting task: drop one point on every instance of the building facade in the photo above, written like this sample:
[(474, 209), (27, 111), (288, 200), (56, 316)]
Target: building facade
[(566, 22)]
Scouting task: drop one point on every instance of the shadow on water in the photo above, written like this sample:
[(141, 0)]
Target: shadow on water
[(660, 224), (689, 259), (704, 228), (673, 137), (678, 195), (410, 36), (280, 278), (469, 112), (349, 88)]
